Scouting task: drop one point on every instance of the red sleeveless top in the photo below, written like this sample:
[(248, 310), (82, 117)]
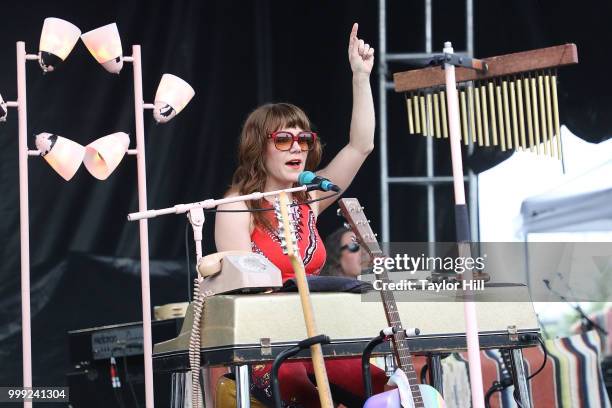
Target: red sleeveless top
[(267, 243)]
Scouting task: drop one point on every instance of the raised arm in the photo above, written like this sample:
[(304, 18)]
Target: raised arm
[(343, 168)]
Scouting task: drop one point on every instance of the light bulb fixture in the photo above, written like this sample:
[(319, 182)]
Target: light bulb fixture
[(3, 110), (172, 95), (57, 39), (104, 44), (63, 155), (103, 155)]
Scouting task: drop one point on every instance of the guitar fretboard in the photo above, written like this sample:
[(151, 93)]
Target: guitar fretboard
[(354, 214), (400, 344)]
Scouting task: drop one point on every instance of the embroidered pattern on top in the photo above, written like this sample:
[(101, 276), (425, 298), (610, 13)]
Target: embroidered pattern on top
[(312, 239)]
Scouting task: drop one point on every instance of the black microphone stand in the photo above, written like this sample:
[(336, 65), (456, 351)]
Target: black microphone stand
[(585, 321)]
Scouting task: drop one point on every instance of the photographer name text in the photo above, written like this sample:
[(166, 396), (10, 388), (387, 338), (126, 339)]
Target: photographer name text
[(424, 284)]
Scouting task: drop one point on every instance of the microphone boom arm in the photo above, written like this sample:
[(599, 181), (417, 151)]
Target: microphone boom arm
[(210, 203)]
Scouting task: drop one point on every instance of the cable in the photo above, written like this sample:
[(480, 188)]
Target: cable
[(517, 398), (129, 381), (118, 398), (314, 200), (497, 386), (424, 373), (194, 340), (212, 210), (543, 362), (188, 261)]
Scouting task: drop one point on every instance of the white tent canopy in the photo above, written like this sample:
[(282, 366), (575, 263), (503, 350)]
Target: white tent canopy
[(583, 203), (530, 193)]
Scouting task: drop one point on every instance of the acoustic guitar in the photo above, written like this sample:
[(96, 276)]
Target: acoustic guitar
[(422, 395)]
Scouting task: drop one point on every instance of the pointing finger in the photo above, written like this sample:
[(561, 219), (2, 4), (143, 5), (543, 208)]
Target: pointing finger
[(354, 31), (353, 36)]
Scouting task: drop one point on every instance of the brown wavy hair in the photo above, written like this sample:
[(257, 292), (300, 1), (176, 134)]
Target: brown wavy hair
[(250, 176), (333, 243)]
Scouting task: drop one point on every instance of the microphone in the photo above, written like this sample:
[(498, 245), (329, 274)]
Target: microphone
[(314, 182)]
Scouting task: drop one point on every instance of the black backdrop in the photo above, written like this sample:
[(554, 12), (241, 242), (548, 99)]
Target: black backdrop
[(236, 54)]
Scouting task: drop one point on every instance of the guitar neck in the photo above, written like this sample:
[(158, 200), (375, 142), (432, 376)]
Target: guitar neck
[(401, 348), (353, 212), (298, 266), (289, 244)]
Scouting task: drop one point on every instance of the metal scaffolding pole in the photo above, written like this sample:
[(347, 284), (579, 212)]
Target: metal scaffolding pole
[(430, 180), (382, 118)]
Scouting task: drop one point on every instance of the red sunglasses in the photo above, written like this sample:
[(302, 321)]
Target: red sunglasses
[(283, 140)]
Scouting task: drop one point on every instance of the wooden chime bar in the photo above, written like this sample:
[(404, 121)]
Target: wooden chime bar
[(511, 105)]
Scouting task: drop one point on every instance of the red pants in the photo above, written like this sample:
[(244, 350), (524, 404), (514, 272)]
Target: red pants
[(344, 377)]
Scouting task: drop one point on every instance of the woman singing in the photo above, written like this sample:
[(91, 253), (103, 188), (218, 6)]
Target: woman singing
[(276, 145)]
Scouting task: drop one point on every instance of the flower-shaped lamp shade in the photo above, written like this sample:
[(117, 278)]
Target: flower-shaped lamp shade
[(64, 155), (57, 39), (172, 95), (104, 44), (3, 110), (103, 155)]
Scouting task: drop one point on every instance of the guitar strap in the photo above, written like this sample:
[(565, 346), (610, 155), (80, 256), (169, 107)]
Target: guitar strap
[(403, 385)]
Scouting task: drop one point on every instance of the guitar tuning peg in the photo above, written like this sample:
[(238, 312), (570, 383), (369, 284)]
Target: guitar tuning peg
[(339, 212), (347, 226), (362, 208), (368, 221)]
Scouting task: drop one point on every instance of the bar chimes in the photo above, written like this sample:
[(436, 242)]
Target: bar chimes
[(513, 105)]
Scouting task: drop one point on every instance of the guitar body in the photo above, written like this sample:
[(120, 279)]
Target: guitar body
[(391, 398)]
